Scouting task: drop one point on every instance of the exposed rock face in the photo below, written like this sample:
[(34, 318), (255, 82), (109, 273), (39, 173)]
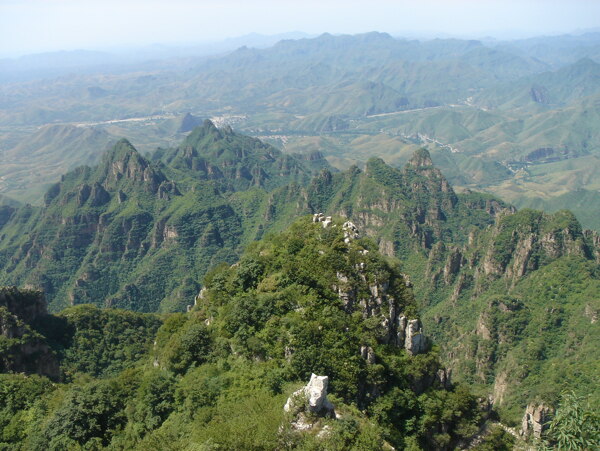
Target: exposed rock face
[(312, 399), (27, 311), (315, 395), (535, 420), (521, 242), (367, 353), (399, 330), (123, 162), (415, 342), (24, 350), (453, 264), (99, 196), (444, 378), (83, 194), (350, 232), (539, 94), (594, 238), (324, 220), (6, 213), (387, 248), (591, 313), (167, 189), (375, 298)]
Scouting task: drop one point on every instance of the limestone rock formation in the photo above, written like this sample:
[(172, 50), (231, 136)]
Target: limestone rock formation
[(324, 220), (539, 94), (535, 420), (167, 189), (350, 232), (522, 241), (310, 400), (367, 353), (24, 350), (453, 264), (28, 305), (444, 378), (375, 298), (414, 342)]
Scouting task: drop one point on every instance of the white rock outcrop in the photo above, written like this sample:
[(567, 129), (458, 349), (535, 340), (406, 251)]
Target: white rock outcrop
[(324, 220), (312, 397), (309, 404), (350, 232), (414, 342)]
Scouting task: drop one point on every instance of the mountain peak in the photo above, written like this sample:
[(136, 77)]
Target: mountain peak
[(209, 125), (421, 159), (122, 147), (237, 161), (123, 161), (201, 132), (188, 123)]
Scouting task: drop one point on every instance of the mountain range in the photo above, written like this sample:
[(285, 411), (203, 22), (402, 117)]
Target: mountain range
[(508, 295), (496, 116), (352, 231)]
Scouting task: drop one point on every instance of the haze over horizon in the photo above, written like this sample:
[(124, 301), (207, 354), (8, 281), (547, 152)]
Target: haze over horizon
[(33, 26)]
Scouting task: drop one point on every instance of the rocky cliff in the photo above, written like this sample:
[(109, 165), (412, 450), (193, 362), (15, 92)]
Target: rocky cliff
[(22, 348)]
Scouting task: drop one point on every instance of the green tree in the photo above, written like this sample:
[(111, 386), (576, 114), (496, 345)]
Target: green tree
[(575, 426), (89, 412)]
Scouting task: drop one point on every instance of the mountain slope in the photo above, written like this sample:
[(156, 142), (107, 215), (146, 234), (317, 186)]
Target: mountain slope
[(47, 154), (549, 89), (261, 328), (115, 234), (141, 235), (235, 161)]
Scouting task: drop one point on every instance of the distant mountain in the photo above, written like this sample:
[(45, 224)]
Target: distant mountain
[(7, 201), (549, 89), (585, 202), (53, 64), (42, 157), (47, 154), (315, 68), (77, 145), (188, 123), (559, 50), (236, 161), (494, 115)]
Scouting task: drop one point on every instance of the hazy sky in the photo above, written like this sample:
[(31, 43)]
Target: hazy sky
[(40, 25)]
